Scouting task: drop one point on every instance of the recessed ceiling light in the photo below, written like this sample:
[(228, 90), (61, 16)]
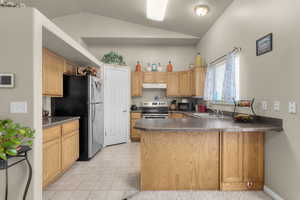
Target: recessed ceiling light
[(156, 9), (201, 10)]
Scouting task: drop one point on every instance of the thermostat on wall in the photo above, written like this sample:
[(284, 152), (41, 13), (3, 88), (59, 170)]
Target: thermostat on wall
[(7, 81)]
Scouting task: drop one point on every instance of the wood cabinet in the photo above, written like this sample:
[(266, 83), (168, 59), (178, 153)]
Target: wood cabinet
[(173, 84), (136, 84), (70, 68), (51, 154), (53, 69), (135, 134), (185, 84), (70, 144), (155, 77), (242, 161), (179, 161), (176, 115), (60, 150), (198, 81)]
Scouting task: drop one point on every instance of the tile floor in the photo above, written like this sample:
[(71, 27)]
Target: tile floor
[(114, 174)]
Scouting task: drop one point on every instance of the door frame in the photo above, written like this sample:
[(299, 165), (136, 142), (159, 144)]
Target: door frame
[(106, 111)]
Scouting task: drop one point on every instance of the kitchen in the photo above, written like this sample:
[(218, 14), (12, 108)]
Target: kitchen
[(201, 103)]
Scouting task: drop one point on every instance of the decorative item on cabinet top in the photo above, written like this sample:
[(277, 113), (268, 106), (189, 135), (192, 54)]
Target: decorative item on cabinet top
[(113, 58), (85, 71)]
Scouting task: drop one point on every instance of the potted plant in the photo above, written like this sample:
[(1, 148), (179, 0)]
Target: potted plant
[(12, 137), (113, 58)]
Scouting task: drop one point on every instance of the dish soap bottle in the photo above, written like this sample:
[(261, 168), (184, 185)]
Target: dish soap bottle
[(169, 67), (149, 68), (198, 60), (138, 67)]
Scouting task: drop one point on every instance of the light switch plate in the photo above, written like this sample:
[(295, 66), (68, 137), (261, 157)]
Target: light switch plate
[(18, 107), (292, 107), (264, 105), (277, 106)]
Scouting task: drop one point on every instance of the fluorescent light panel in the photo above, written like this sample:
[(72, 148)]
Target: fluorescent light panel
[(156, 9)]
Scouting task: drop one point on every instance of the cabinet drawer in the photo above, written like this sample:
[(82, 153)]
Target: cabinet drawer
[(136, 115), (161, 77), (51, 133), (70, 127)]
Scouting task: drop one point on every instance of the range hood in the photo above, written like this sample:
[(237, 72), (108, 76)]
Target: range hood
[(155, 85)]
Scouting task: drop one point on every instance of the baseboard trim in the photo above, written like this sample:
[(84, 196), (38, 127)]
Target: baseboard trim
[(272, 194)]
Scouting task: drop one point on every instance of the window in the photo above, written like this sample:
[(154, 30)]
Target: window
[(222, 80)]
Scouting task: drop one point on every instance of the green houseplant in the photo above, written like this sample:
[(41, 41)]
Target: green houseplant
[(12, 137), (113, 58)]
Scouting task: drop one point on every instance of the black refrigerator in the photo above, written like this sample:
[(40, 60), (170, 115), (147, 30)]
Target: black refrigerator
[(83, 96)]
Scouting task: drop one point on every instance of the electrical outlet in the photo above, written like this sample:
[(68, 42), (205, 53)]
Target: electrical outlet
[(277, 106), (264, 105), (18, 107), (292, 107)]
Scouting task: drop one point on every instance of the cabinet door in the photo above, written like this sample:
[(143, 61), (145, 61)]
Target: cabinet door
[(69, 149), (185, 83), (242, 157), (136, 83), (149, 77), (231, 160), (173, 84), (198, 81), (134, 133), (53, 68), (160, 77), (254, 160), (177, 115), (51, 160)]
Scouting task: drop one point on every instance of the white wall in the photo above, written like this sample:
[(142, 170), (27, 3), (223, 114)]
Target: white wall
[(270, 77), (20, 53)]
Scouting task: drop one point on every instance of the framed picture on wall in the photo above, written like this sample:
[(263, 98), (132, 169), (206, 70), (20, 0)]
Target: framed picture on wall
[(264, 44)]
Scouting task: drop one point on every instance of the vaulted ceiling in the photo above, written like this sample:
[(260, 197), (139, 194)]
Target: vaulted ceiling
[(179, 16)]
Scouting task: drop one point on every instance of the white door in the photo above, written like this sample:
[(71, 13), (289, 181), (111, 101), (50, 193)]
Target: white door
[(116, 105)]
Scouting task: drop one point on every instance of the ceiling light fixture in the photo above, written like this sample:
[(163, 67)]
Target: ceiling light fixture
[(156, 9), (201, 10)]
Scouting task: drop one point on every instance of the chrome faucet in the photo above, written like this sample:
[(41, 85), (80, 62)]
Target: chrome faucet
[(219, 113)]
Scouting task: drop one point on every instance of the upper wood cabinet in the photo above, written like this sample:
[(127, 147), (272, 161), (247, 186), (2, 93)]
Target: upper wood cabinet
[(155, 77), (185, 84), (173, 84), (242, 161), (70, 68), (198, 81), (53, 69), (136, 84)]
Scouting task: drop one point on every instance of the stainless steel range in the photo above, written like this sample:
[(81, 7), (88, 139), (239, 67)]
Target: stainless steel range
[(155, 110)]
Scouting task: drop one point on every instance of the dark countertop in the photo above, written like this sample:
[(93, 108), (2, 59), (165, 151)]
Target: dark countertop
[(136, 111), (53, 121), (203, 124)]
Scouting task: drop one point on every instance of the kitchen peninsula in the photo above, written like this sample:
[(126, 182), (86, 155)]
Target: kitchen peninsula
[(202, 154)]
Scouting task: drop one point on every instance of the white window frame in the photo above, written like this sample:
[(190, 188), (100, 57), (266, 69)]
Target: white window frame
[(237, 81)]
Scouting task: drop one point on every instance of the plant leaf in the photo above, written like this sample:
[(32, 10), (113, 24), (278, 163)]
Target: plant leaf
[(11, 152)]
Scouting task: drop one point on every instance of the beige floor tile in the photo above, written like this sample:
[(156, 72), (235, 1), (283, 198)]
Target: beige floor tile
[(80, 195), (98, 195)]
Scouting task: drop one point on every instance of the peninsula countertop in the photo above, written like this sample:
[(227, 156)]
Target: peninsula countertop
[(203, 124), (53, 121)]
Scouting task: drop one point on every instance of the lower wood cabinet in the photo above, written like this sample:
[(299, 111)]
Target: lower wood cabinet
[(69, 150), (135, 134), (60, 150), (51, 161), (176, 115), (242, 161)]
